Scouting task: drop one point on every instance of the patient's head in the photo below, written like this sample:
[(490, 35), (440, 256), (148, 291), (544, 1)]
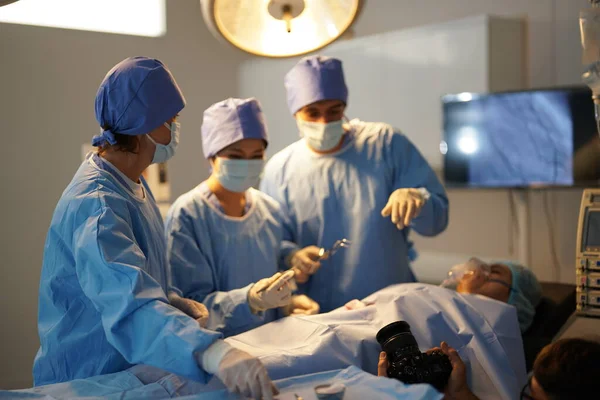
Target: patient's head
[(505, 281), (566, 369)]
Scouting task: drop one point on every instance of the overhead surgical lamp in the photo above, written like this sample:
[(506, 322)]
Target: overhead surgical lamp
[(279, 28)]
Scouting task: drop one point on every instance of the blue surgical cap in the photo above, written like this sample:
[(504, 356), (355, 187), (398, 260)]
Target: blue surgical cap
[(138, 95), (525, 294), (230, 121), (314, 79)]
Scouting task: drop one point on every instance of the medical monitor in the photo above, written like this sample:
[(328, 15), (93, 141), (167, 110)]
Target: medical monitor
[(588, 254), (591, 241), (533, 138)]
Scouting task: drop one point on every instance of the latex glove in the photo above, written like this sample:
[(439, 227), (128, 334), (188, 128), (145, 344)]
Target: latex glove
[(306, 260), (271, 292), (301, 305), (244, 374), (190, 307), (404, 205), (299, 276)]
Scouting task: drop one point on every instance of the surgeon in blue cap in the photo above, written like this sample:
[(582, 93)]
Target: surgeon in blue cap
[(358, 180), (224, 237), (102, 304)]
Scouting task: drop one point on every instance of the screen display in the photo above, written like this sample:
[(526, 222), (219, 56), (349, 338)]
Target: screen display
[(592, 234), (521, 139)]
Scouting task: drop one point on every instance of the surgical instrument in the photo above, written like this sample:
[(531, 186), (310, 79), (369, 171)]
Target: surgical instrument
[(324, 254)]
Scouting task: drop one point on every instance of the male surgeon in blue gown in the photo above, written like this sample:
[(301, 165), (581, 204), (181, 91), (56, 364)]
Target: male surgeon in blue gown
[(358, 180)]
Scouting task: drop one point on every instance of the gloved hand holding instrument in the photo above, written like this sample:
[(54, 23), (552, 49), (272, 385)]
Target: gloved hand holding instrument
[(307, 261), (271, 292)]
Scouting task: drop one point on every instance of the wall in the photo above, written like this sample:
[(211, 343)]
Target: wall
[(48, 80)]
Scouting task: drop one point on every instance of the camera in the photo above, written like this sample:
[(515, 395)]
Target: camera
[(406, 362)]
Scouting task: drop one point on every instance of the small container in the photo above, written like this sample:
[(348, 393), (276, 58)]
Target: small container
[(333, 391)]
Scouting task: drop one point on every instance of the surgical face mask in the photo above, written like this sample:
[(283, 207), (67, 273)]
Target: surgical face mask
[(239, 175), (473, 274), (163, 152), (320, 136)]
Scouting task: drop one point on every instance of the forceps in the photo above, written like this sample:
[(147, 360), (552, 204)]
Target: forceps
[(324, 254)]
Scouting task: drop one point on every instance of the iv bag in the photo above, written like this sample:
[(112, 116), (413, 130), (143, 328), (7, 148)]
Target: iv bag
[(589, 26)]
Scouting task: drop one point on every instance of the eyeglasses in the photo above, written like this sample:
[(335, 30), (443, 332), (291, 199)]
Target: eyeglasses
[(526, 391)]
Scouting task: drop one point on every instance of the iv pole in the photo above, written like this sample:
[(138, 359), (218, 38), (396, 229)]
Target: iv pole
[(523, 214)]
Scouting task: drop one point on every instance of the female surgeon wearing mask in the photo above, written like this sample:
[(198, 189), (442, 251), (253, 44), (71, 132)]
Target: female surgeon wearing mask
[(102, 304), (223, 235)]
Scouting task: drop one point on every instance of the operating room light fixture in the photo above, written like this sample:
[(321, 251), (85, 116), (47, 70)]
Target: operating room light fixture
[(279, 28), (134, 17)]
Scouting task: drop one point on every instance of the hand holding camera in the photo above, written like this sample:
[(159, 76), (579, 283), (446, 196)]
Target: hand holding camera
[(440, 366), (406, 362)]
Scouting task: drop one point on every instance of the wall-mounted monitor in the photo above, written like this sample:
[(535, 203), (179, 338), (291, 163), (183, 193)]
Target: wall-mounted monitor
[(534, 138)]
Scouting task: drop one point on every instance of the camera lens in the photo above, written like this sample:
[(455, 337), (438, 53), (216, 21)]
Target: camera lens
[(397, 340)]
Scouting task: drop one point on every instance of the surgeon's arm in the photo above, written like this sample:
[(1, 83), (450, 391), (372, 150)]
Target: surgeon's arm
[(413, 171), (135, 314), (192, 276)]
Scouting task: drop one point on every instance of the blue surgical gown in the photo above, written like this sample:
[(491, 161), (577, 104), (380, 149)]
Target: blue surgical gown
[(341, 195), (214, 258), (102, 302)]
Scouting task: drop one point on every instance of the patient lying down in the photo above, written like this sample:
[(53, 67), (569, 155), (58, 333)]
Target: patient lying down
[(504, 281), (482, 325)]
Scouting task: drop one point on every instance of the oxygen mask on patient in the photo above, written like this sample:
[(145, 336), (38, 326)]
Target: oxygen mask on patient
[(468, 276)]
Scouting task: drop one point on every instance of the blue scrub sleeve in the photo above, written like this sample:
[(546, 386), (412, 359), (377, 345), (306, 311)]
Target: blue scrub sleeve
[(136, 316), (192, 276), (271, 186), (413, 171), (230, 312)]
